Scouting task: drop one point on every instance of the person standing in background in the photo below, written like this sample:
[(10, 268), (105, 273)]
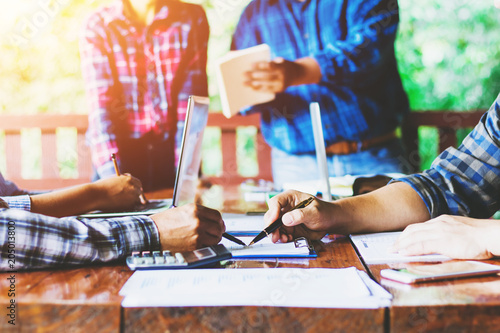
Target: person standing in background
[(341, 55), (140, 61)]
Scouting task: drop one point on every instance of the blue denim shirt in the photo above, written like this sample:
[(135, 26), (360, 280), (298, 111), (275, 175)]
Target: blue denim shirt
[(360, 93)]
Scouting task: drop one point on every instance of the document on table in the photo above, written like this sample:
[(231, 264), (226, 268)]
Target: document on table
[(375, 249), (290, 287), (243, 224), (266, 248)]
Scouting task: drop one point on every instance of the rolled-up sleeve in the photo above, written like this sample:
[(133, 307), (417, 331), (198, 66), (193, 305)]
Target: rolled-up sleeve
[(41, 241), (465, 181)]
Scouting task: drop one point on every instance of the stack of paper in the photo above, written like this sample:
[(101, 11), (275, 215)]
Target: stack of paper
[(375, 249), (290, 287)]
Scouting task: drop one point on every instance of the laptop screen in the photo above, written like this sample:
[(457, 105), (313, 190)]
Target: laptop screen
[(186, 180)]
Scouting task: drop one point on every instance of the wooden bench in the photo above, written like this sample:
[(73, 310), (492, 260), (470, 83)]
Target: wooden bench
[(13, 126), (447, 124)]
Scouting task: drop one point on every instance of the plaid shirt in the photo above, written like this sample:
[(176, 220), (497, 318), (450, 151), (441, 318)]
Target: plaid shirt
[(465, 181), (41, 241), (13, 196), (360, 94), (139, 80)]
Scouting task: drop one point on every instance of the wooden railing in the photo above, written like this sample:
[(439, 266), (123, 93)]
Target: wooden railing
[(12, 125), (447, 123)]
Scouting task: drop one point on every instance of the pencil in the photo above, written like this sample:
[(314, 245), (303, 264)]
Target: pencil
[(113, 158), (118, 173)]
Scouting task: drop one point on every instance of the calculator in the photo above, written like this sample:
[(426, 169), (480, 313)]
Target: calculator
[(203, 257)]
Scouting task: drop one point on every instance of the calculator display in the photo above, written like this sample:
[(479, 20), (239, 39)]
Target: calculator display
[(199, 254)]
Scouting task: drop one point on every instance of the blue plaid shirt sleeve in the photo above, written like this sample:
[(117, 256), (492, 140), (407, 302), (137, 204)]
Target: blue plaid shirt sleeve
[(18, 202), (41, 241), (465, 181)]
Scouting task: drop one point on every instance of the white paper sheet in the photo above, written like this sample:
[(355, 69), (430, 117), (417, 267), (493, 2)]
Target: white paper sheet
[(375, 249), (266, 248), (243, 224), (290, 287)]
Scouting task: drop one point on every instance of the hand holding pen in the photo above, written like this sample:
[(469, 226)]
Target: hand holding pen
[(279, 222), (118, 173)]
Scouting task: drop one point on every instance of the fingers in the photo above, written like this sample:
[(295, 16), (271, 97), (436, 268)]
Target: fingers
[(266, 77), (211, 222), (281, 203)]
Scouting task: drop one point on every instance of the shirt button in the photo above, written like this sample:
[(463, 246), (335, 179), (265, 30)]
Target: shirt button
[(151, 66), (306, 36)]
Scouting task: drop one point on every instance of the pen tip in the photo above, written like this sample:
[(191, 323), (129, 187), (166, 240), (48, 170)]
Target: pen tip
[(251, 243)]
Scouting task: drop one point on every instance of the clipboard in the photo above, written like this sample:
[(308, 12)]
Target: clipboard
[(299, 248)]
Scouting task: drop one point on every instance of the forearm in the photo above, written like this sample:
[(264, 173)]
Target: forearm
[(69, 201), (391, 207), (308, 72), (43, 241)]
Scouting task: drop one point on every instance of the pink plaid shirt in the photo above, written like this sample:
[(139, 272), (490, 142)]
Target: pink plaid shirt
[(138, 80)]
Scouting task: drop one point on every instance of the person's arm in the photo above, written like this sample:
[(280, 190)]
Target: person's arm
[(392, 207), (360, 57), (41, 241), (110, 194), (105, 101)]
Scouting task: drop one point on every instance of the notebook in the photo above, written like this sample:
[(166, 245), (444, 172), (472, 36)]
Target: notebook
[(231, 76), (186, 179)]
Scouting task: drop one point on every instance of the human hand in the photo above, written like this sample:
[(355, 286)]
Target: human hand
[(454, 236), (274, 76), (189, 227), (117, 193), (311, 222)]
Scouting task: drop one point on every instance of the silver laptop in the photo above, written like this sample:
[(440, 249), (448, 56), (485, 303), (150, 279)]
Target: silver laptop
[(186, 179)]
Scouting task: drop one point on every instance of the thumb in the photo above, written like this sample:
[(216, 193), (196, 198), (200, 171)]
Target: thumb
[(294, 217), (278, 60)]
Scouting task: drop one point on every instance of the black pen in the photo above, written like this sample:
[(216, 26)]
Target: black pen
[(278, 223), (233, 239)]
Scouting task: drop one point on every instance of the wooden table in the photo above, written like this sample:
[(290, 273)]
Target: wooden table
[(86, 299)]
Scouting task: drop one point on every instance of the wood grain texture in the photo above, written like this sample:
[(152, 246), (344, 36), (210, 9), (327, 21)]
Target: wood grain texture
[(457, 305), (65, 300), (252, 319)]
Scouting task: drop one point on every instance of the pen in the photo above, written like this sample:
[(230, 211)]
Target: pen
[(233, 239), (117, 170), (278, 223)]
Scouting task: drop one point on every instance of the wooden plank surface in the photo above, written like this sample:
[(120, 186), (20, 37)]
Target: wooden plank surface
[(458, 305), (335, 252), (65, 300)]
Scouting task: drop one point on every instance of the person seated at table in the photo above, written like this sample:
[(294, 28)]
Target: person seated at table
[(459, 193), (30, 240), (111, 194)]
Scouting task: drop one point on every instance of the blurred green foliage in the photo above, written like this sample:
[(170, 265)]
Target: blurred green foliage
[(447, 51)]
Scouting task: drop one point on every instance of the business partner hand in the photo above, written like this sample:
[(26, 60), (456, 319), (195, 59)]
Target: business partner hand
[(454, 236), (189, 227), (277, 75), (117, 193), (312, 221), (110, 194)]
